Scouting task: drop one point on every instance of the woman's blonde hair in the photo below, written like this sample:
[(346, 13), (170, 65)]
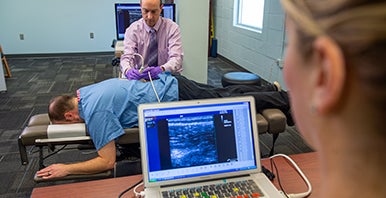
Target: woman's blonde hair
[(357, 26)]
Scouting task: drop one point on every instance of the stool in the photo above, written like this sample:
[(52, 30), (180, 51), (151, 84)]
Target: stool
[(240, 78)]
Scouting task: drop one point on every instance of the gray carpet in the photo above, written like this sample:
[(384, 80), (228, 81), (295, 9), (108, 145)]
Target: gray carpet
[(36, 79)]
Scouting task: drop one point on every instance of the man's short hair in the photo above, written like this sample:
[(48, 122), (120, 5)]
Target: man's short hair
[(58, 106), (160, 2)]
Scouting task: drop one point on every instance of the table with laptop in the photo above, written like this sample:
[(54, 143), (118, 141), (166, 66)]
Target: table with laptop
[(199, 147), (290, 180)]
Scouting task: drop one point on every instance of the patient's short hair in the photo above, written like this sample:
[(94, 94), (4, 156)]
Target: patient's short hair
[(58, 106)]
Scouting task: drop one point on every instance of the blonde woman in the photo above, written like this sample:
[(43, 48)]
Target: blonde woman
[(335, 70)]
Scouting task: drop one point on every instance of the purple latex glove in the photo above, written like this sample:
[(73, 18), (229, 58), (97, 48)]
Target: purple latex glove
[(154, 71), (133, 74)]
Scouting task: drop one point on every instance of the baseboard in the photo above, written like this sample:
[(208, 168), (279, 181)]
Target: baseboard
[(233, 64), (52, 55)]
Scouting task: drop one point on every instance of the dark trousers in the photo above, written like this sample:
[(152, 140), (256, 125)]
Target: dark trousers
[(265, 96)]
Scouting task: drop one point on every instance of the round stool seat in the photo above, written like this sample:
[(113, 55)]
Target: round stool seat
[(240, 78)]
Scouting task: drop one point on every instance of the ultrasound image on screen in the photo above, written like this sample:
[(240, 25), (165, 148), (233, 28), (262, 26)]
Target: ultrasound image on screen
[(126, 15), (192, 141)]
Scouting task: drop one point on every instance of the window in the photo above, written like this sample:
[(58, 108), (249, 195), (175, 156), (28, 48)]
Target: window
[(249, 14)]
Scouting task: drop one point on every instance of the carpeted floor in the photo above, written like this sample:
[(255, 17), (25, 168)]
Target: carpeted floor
[(36, 79)]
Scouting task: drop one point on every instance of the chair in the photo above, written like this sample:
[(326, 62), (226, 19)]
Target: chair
[(5, 63)]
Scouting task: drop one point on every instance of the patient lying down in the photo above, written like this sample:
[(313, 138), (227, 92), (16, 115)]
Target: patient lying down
[(110, 106)]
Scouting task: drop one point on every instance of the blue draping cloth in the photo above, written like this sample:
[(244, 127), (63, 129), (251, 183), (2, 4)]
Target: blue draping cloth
[(111, 105)]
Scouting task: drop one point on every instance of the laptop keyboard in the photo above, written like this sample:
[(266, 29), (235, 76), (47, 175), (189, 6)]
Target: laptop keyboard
[(242, 189)]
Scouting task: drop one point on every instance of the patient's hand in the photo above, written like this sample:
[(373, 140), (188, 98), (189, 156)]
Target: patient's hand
[(53, 171), (104, 161)]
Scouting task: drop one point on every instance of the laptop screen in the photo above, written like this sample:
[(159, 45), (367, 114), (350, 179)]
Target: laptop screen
[(198, 139)]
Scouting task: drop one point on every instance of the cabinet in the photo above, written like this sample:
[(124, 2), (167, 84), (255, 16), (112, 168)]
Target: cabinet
[(193, 18)]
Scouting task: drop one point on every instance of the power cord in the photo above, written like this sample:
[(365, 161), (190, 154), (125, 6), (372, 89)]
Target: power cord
[(268, 173), (278, 178), (305, 179), (128, 189)]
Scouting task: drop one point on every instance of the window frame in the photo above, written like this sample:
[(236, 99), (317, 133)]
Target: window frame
[(237, 16)]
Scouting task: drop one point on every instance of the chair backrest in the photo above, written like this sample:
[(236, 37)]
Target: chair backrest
[(1, 52), (5, 63)]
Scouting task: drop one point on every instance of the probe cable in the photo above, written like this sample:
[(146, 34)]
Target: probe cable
[(152, 84), (151, 80), (139, 194), (297, 195), (54, 152)]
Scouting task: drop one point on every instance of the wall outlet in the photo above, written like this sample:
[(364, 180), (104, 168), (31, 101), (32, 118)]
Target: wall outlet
[(91, 35), (279, 63), (21, 36)]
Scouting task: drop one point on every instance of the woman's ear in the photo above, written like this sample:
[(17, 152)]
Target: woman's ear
[(331, 74)]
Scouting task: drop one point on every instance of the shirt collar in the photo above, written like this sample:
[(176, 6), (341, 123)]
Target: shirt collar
[(156, 26), (80, 109)]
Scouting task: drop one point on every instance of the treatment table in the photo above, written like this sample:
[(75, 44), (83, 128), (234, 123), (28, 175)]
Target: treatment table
[(40, 133)]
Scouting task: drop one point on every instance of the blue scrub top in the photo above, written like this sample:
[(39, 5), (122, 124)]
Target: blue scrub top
[(111, 105)]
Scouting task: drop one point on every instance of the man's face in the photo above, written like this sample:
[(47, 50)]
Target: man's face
[(151, 10)]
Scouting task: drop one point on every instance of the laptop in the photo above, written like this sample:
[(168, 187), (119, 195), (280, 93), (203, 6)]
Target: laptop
[(193, 146)]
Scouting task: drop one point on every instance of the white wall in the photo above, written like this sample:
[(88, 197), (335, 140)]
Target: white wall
[(256, 52), (58, 26)]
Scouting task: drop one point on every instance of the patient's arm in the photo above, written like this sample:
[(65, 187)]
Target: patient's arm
[(104, 161)]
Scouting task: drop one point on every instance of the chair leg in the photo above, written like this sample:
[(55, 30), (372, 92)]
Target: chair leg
[(23, 152), (274, 138), (7, 69), (41, 158)]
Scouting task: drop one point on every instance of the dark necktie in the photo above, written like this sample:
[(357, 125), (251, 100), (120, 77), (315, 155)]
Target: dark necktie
[(152, 50)]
